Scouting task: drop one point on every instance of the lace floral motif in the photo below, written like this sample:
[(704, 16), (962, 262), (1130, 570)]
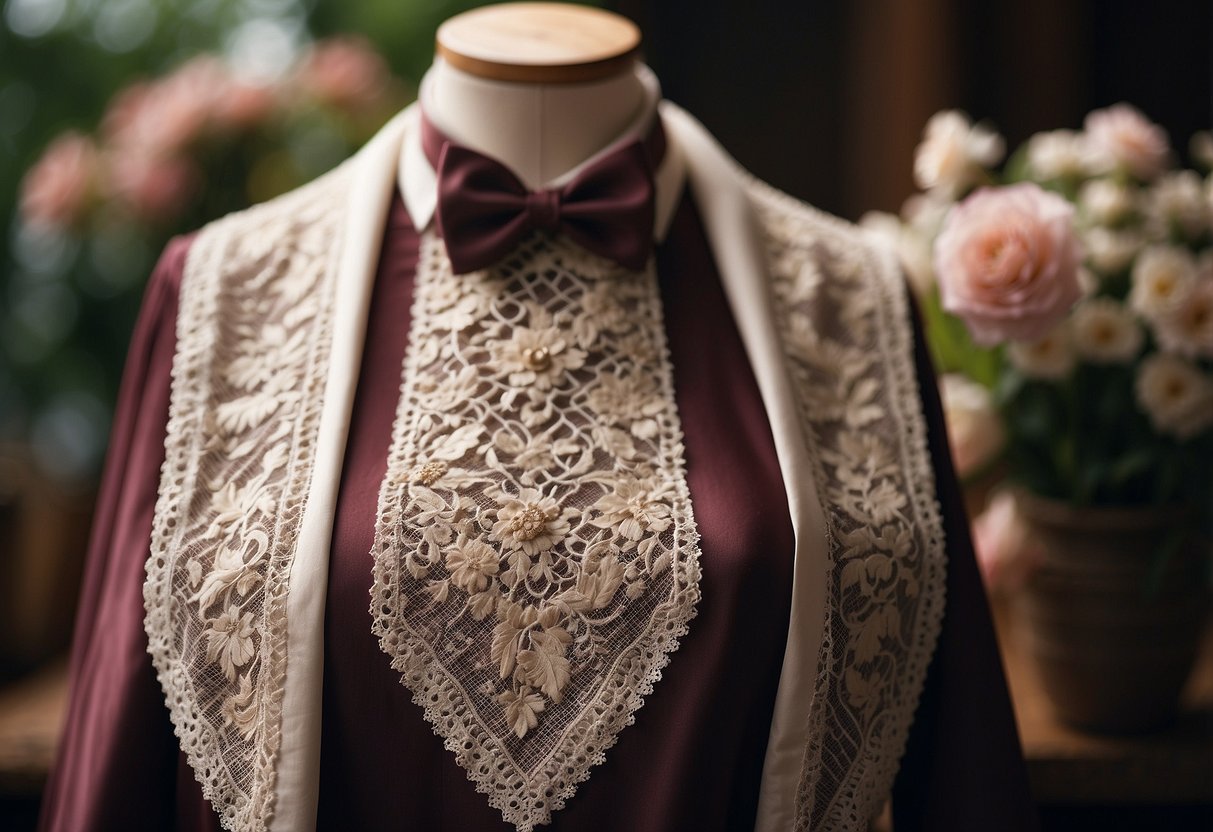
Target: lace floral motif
[(253, 339), (536, 559), (846, 332)]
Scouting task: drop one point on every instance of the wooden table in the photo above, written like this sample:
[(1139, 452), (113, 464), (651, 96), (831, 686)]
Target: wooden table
[(1071, 767)]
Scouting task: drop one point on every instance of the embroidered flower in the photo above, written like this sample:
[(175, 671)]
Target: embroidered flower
[(429, 473), (631, 402), (602, 311), (538, 356), (635, 507), (472, 563), (230, 640), (529, 522)]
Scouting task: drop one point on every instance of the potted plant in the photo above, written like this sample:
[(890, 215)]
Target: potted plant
[(1076, 286)]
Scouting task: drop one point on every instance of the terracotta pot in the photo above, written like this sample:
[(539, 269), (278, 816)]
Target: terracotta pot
[(1114, 614)]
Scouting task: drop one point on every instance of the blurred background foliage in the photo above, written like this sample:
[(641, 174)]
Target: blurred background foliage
[(70, 290)]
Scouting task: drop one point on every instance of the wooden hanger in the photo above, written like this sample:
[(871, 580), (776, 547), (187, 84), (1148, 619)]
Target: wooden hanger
[(539, 43)]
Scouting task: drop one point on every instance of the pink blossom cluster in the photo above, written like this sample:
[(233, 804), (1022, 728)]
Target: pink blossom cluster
[(144, 158)]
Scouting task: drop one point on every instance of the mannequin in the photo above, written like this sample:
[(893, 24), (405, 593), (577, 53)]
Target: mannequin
[(289, 715), (578, 92)]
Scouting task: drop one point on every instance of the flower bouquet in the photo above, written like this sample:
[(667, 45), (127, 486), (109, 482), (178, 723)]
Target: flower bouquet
[(1068, 300), (170, 154)]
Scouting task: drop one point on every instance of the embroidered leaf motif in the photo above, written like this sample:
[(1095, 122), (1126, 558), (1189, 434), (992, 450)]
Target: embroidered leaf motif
[(545, 666), (505, 645), (521, 709), (457, 443)]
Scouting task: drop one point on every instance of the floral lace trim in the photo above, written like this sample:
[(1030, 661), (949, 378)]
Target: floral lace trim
[(253, 339), (536, 559), (846, 329)]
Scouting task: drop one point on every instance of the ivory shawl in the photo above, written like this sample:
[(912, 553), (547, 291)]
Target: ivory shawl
[(270, 332)]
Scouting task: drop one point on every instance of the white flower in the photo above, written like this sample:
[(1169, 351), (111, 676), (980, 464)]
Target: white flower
[(1105, 201), (1122, 138), (472, 563), (954, 152), (632, 402), (1187, 327), (636, 507), (1058, 154), (1109, 251), (1050, 357), (1176, 395), (230, 640), (1162, 277), (1177, 201), (1105, 332), (536, 356), (529, 522), (975, 433)]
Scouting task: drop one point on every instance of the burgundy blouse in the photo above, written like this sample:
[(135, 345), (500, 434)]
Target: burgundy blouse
[(692, 760)]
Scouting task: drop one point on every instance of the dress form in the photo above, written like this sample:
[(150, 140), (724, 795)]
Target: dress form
[(540, 87)]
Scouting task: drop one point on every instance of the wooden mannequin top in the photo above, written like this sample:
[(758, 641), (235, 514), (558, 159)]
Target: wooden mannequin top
[(544, 43), (539, 86)]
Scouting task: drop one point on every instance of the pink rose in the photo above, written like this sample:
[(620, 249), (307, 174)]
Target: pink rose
[(165, 117), (1007, 262), (346, 73), (245, 106), (56, 190), (1122, 137), (155, 189), (1006, 553)]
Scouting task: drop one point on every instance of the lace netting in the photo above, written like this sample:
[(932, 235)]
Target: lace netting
[(253, 340), (846, 331), (536, 559)]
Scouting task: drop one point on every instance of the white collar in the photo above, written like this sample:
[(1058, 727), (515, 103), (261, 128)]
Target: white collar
[(418, 182)]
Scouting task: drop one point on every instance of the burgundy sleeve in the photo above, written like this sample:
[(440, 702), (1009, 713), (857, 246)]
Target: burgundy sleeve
[(118, 765), (963, 768)]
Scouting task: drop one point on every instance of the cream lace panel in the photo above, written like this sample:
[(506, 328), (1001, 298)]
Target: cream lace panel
[(847, 331), (536, 558), (253, 342)]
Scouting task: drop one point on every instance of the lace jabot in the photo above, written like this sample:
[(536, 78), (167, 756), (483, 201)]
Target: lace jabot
[(536, 559)]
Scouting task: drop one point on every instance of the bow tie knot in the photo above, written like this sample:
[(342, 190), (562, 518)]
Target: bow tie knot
[(484, 210), (543, 209)]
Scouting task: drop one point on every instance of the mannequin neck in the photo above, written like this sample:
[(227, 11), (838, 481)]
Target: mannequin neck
[(540, 131)]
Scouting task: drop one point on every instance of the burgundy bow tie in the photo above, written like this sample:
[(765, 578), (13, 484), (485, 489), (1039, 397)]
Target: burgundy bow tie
[(484, 210)]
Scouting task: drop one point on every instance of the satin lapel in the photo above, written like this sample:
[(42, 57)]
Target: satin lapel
[(736, 240), (298, 768)]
